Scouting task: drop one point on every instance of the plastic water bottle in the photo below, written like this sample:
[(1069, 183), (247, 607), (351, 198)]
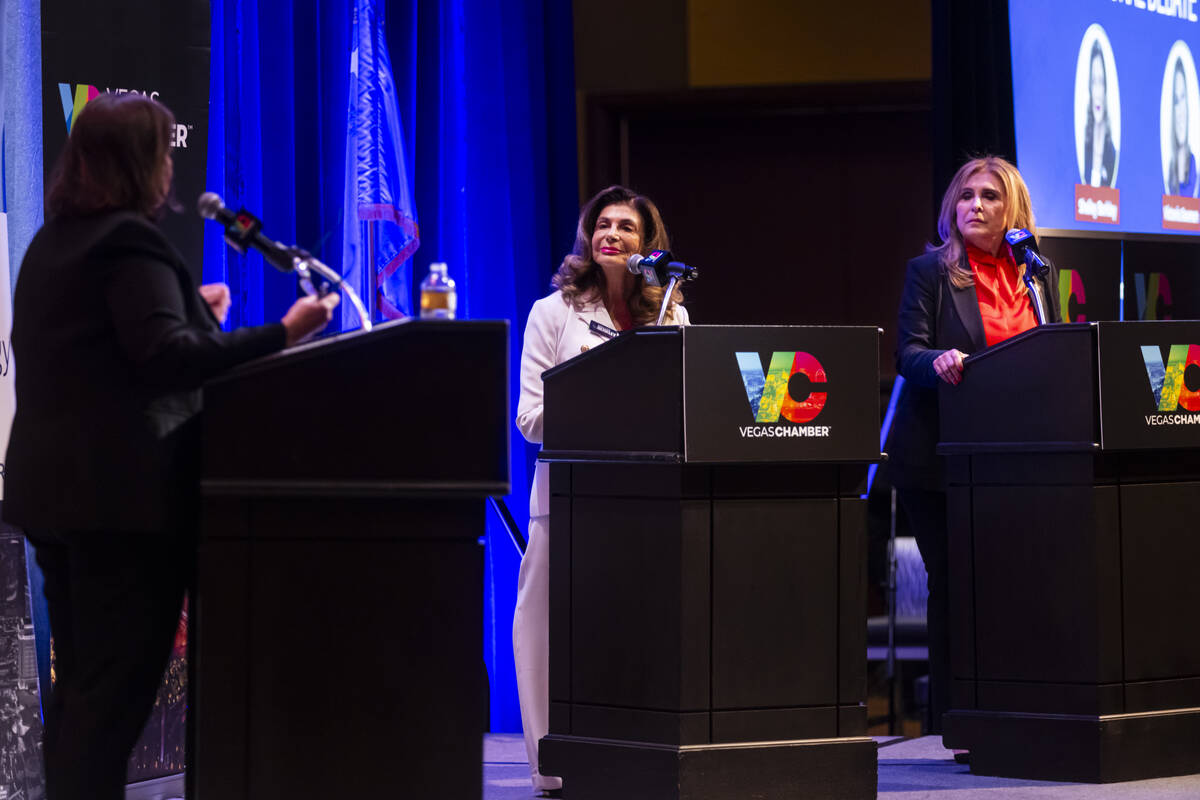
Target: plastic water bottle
[(439, 300)]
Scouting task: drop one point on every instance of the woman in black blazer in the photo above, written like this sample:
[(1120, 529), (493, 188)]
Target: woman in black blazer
[(947, 292), (113, 342)]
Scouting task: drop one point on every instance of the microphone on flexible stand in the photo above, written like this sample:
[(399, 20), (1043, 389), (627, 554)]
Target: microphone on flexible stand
[(659, 270), (244, 230), (649, 266), (1025, 248)]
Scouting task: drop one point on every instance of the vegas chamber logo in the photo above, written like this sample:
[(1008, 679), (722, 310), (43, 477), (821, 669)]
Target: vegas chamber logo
[(74, 98), (1169, 386), (790, 388)]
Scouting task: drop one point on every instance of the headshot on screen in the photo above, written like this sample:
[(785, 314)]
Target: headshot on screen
[(1179, 123), (1097, 110)]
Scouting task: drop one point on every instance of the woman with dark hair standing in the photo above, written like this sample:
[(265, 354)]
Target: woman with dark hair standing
[(1099, 154), (1181, 180), (962, 296), (102, 470), (593, 286)]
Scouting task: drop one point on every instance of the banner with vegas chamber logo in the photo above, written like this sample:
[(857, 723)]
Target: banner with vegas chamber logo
[(157, 49), (786, 393), (160, 50), (1149, 385)]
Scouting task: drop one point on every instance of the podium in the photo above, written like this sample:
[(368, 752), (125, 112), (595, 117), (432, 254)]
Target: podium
[(338, 629), (1073, 504), (708, 564)]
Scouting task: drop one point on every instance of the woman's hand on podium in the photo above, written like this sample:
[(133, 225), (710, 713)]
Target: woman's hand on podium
[(308, 315), (949, 366)]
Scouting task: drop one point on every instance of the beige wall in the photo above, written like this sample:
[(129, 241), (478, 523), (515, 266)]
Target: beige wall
[(757, 42)]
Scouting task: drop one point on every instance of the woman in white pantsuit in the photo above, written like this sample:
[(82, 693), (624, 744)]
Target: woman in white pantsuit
[(593, 285)]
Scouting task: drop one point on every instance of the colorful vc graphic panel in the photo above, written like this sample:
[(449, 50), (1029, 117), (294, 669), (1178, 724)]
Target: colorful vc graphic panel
[(784, 393), (770, 396), (1149, 384)]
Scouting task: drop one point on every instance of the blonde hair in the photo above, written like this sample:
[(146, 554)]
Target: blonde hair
[(581, 280), (1018, 213)]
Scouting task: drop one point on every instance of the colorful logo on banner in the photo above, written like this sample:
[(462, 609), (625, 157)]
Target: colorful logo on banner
[(769, 395), (74, 99), (1070, 287), (73, 102), (1167, 383), (1153, 289)]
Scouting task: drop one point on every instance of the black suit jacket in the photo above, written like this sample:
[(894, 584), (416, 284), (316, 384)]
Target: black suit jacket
[(934, 316), (1108, 161), (111, 343)]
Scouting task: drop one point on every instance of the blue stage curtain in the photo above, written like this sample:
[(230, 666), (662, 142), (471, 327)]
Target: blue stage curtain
[(486, 95), (21, 106), (496, 190), (277, 118)]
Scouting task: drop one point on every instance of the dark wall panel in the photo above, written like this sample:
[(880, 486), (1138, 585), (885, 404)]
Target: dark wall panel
[(1092, 289), (1162, 280), (797, 206)]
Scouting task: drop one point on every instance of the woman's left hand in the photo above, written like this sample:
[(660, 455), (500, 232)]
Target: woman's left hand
[(218, 299), (949, 366)]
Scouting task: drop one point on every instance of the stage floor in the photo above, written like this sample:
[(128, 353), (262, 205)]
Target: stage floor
[(908, 769)]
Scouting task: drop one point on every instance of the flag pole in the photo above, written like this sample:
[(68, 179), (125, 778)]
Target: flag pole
[(371, 270)]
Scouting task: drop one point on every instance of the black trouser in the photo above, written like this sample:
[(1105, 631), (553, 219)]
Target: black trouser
[(114, 601), (926, 512)]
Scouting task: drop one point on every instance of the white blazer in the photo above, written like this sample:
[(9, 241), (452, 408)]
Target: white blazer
[(556, 332)]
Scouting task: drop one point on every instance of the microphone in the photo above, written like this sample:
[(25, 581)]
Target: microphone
[(659, 270), (650, 267), (1025, 248), (243, 230)]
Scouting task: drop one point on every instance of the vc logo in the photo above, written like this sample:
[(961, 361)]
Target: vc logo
[(1153, 295), (1070, 287), (74, 100), (771, 395), (1167, 383)]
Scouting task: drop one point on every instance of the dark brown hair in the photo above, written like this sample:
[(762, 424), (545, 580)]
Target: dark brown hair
[(114, 159), (582, 281)]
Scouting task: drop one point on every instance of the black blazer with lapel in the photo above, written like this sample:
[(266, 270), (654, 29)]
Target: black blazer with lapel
[(111, 342), (934, 316)]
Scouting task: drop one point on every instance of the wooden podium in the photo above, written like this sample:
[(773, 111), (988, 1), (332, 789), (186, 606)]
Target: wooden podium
[(708, 564), (338, 630), (1073, 506)]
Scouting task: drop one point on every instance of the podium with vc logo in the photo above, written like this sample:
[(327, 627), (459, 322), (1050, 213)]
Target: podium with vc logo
[(1074, 470), (708, 563)]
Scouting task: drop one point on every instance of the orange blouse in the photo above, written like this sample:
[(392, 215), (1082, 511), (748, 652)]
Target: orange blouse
[(1003, 301)]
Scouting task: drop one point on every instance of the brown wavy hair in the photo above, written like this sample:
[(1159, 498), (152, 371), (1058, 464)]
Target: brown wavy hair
[(581, 280), (1018, 213), (115, 159)]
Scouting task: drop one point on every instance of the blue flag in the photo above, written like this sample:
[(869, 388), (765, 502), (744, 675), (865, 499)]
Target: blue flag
[(380, 229)]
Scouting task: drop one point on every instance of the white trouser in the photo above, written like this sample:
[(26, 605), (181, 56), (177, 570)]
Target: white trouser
[(531, 645)]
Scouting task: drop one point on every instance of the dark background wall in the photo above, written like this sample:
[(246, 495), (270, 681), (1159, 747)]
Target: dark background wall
[(788, 146)]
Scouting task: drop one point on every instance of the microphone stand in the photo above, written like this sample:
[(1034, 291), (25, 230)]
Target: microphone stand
[(1035, 287), (679, 273), (306, 265)]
